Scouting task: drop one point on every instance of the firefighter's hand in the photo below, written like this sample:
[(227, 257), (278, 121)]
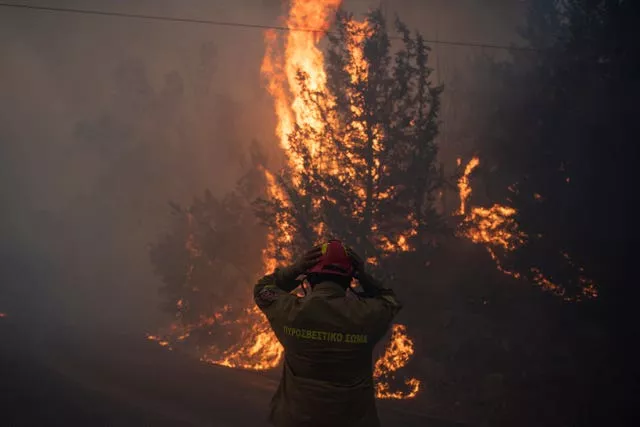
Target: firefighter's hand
[(358, 262), (367, 281), (304, 263)]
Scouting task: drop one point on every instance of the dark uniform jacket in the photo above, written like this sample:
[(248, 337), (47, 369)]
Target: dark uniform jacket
[(328, 337)]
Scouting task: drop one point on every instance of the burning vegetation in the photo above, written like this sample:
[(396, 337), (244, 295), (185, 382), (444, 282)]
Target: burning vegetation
[(397, 355), (348, 152), (356, 125), (497, 229), (349, 159)]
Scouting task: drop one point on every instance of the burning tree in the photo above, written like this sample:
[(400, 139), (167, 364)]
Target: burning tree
[(550, 178), (359, 137), (207, 241), (497, 228), (357, 134), (208, 262)]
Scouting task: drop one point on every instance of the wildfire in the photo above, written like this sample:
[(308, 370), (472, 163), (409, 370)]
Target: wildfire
[(397, 354), (295, 104), (161, 342), (497, 229), (463, 183), (254, 345), (301, 56), (258, 348)]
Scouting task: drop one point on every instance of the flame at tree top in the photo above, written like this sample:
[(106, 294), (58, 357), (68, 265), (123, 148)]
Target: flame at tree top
[(301, 55), (292, 80), (254, 345)]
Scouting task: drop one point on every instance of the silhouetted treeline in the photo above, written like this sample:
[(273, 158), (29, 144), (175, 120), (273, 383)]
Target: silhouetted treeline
[(558, 125)]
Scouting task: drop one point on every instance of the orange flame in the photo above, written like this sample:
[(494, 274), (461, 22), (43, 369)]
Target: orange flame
[(497, 229), (303, 59), (257, 347), (301, 55), (397, 354), (494, 226), (463, 183)]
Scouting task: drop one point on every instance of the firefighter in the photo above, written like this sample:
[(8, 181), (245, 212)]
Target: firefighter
[(328, 338)]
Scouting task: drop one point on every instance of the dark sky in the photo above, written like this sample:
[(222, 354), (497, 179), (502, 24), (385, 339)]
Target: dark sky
[(103, 120)]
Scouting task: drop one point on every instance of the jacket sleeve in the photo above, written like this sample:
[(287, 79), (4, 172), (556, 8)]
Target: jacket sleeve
[(380, 306), (272, 294)]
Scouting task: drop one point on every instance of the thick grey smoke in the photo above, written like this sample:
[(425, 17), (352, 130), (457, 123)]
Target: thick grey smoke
[(103, 120)]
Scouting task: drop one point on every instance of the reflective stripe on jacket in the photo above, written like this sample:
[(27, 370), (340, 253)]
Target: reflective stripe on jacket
[(328, 337)]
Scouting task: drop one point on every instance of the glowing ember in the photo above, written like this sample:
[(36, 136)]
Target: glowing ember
[(160, 341), (397, 354), (589, 287), (545, 283)]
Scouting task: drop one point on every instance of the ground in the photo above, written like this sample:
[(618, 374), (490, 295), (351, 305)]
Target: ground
[(76, 376)]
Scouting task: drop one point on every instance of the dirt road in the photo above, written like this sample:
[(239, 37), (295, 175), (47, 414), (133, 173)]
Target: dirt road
[(62, 376)]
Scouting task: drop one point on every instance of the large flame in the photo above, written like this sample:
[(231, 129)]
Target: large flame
[(301, 56), (497, 229), (303, 59), (257, 347)]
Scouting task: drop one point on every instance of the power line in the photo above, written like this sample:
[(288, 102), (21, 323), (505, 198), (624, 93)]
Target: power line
[(154, 17), (234, 24)]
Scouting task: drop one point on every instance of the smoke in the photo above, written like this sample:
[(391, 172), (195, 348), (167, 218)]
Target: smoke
[(104, 120)]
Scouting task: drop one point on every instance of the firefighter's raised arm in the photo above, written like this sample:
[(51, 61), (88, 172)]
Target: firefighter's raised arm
[(381, 304), (272, 292)]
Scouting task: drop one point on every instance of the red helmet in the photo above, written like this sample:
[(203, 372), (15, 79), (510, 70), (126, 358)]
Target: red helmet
[(335, 260)]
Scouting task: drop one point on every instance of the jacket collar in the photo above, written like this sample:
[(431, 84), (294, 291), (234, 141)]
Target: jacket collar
[(329, 289)]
